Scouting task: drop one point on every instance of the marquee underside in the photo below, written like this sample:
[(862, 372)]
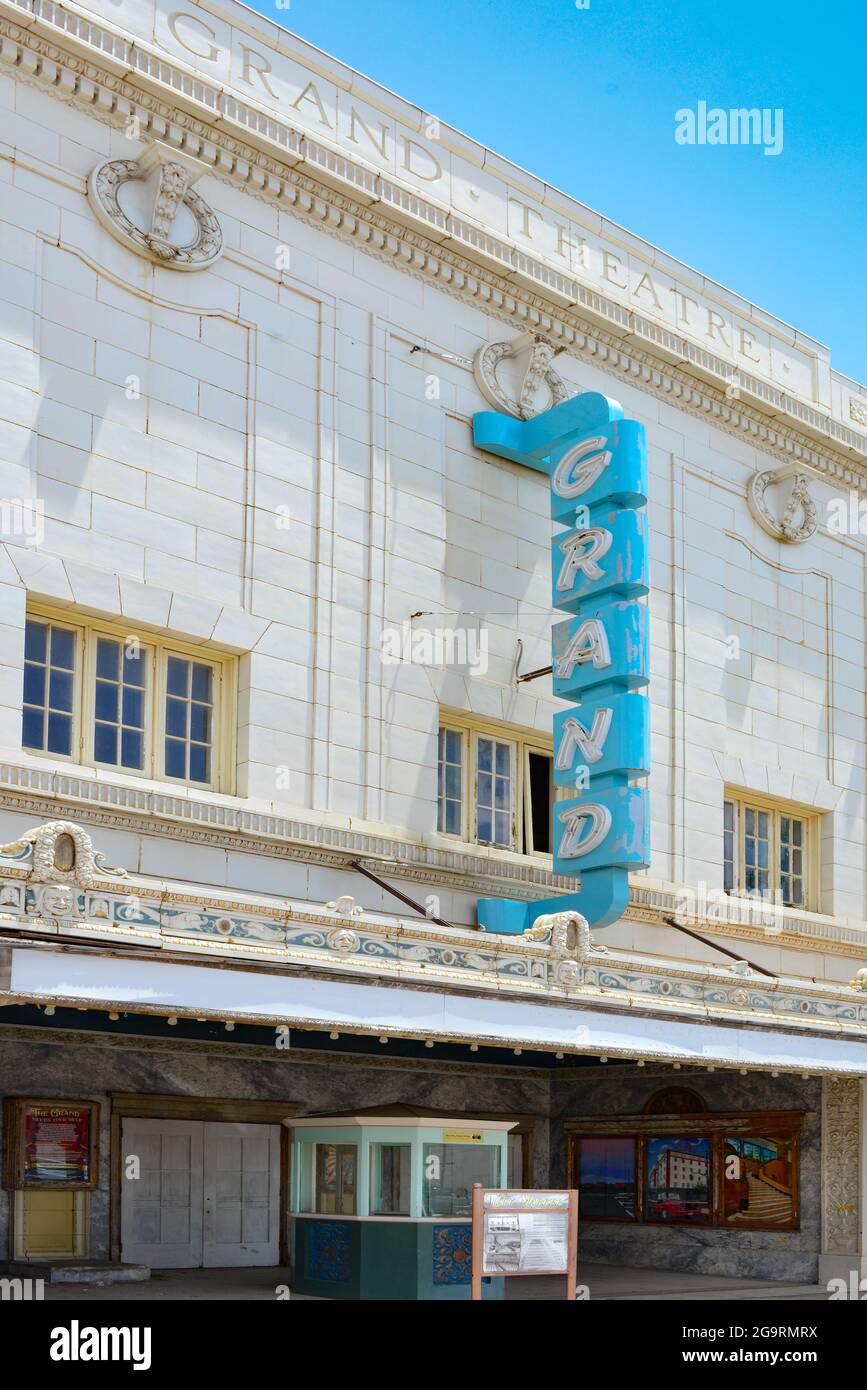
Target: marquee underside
[(168, 989)]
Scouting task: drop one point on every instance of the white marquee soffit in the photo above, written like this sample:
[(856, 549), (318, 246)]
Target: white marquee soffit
[(167, 989)]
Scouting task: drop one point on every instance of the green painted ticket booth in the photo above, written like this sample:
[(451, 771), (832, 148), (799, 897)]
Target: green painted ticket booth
[(381, 1202)]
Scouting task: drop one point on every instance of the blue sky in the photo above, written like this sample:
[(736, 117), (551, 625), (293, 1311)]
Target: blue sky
[(586, 99)]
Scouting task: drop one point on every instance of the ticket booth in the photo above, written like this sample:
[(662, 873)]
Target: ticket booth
[(381, 1202)]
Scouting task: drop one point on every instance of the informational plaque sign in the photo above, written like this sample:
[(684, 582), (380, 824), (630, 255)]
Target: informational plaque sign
[(52, 1143), (524, 1231)]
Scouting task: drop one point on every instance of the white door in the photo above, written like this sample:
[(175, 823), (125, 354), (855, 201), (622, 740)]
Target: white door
[(242, 1195), (205, 1194), (161, 1194)]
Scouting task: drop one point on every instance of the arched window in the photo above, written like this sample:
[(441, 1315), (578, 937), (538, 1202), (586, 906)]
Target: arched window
[(675, 1100)]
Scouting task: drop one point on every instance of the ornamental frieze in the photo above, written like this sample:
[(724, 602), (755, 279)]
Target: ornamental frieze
[(556, 957)]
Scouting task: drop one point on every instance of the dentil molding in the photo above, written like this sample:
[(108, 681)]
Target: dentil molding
[(504, 284)]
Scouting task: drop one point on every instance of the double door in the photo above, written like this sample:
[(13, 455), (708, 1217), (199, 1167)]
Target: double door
[(200, 1195)]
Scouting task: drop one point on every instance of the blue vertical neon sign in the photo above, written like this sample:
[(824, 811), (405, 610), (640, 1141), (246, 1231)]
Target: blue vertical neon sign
[(597, 462)]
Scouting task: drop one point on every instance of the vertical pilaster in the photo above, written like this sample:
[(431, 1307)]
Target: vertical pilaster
[(844, 1175)]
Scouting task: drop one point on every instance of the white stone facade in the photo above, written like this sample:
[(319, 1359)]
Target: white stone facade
[(255, 457), (269, 459)]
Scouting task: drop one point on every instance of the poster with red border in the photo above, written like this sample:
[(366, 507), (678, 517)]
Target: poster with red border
[(52, 1143)]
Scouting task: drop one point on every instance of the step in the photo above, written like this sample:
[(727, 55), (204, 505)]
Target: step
[(99, 1273)]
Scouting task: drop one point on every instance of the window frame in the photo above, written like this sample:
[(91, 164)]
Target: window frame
[(375, 1156), (515, 810), (87, 632), (88, 706), (462, 734), (342, 1148), (777, 810), (175, 649), (54, 619), (523, 743)]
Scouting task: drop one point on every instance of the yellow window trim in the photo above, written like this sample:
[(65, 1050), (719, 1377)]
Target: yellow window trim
[(776, 808), (161, 645), (524, 742)]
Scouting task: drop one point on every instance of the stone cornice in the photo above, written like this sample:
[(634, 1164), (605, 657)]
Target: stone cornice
[(90, 906), (186, 819), (292, 171), (47, 793)]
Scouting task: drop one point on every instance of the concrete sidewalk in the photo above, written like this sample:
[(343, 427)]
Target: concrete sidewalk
[(605, 1282)]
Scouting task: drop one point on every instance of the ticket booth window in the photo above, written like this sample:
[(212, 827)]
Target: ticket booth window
[(390, 1179), (449, 1171), (336, 1179)]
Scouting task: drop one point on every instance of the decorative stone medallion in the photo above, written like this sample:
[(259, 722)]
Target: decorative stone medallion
[(150, 206), (517, 377), (799, 520)]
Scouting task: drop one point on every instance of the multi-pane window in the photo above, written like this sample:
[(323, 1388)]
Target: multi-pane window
[(119, 703), (766, 852), (793, 866), (494, 792), (495, 787), (49, 687), (730, 847), (757, 851), (450, 803), (112, 700), (189, 719)]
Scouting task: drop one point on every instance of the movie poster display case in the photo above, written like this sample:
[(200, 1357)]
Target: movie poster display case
[(51, 1144)]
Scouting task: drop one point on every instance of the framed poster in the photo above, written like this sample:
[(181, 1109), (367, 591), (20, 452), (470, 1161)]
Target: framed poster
[(759, 1180), (606, 1177), (677, 1186), (51, 1143)]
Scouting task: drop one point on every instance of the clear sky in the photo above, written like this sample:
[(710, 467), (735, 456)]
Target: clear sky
[(586, 100)]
